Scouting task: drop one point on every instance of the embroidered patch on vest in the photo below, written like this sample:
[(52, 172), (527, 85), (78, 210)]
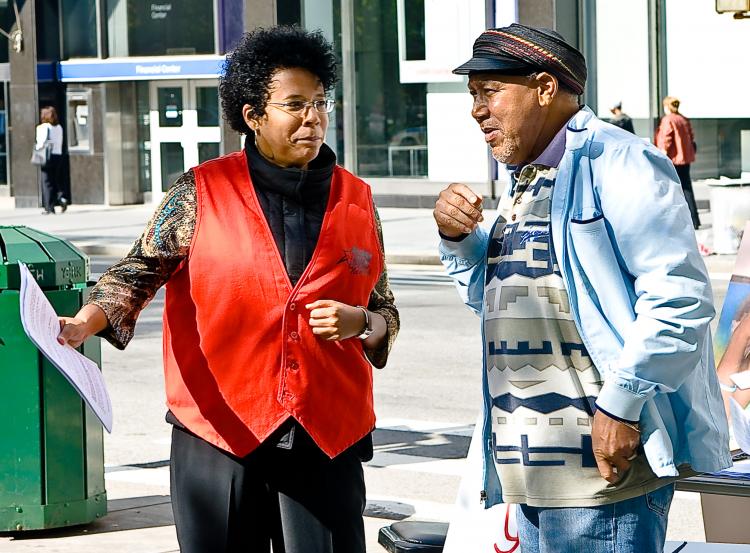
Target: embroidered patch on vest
[(358, 260)]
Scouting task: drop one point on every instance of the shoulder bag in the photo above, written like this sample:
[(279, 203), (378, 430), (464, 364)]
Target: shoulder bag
[(40, 156)]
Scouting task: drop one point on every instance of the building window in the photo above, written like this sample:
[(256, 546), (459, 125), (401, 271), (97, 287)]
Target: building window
[(79, 23), (7, 20), (289, 12), (79, 121), (207, 105), (144, 135), (158, 28), (414, 23), (391, 116), (47, 30), (170, 106)]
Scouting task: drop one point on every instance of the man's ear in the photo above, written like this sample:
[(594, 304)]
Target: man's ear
[(548, 87)]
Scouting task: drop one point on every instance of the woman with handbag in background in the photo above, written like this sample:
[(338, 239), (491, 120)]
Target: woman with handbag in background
[(49, 134)]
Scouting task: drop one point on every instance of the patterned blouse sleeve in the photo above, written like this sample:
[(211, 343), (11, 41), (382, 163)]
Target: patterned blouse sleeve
[(125, 289), (382, 302)]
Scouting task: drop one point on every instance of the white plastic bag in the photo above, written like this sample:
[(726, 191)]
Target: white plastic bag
[(474, 529)]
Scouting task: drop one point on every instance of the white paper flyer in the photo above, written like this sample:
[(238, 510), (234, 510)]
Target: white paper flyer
[(41, 325)]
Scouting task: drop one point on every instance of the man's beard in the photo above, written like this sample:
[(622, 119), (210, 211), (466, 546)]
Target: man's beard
[(505, 151)]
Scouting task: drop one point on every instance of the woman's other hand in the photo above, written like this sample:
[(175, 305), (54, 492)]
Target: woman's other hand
[(88, 321), (333, 320)]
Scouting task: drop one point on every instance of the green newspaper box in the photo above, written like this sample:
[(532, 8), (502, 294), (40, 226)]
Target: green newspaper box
[(51, 443)]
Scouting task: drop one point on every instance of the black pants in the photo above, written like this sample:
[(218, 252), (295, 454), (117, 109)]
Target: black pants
[(297, 498), (51, 176), (683, 171)]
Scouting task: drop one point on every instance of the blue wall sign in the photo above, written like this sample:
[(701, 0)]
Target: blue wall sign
[(46, 72), (141, 70)]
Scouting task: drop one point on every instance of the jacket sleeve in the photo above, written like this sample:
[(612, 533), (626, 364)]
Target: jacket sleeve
[(650, 227), (464, 261), (382, 302), (125, 289), (665, 135)]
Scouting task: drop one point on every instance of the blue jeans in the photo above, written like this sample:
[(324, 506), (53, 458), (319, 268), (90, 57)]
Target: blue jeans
[(637, 525)]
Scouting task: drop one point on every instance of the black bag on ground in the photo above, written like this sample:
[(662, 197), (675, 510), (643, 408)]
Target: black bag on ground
[(409, 536)]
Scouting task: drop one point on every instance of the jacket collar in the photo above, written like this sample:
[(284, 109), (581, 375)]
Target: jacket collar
[(576, 135), (572, 137)]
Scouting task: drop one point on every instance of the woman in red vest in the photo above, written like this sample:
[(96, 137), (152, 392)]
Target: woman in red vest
[(675, 138), (277, 307)]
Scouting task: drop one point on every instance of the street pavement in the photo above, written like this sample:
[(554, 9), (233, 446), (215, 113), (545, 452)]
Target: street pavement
[(427, 399)]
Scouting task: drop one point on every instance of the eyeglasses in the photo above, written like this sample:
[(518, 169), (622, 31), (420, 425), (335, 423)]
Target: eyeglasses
[(298, 106)]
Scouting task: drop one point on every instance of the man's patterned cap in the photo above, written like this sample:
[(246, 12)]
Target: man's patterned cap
[(518, 49)]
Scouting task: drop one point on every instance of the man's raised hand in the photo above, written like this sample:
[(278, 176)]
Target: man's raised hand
[(458, 210)]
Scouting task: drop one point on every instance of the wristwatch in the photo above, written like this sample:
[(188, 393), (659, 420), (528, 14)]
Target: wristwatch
[(367, 330)]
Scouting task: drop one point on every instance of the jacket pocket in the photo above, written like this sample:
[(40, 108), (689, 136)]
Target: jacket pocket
[(658, 501), (600, 272)]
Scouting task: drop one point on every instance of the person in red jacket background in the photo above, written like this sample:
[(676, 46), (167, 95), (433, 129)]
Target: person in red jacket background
[(675, 138), (277, 306)]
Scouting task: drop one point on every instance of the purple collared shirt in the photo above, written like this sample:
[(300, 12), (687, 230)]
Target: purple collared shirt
[(551, 155), (554, 151)]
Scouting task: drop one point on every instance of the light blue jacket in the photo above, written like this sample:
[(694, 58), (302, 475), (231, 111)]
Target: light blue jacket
[(639, 292)]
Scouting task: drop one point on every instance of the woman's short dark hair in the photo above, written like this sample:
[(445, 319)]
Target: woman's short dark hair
[(48, 114), (260, 53)]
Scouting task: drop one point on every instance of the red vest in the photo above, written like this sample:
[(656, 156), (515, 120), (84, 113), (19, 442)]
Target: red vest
[(239, 355)]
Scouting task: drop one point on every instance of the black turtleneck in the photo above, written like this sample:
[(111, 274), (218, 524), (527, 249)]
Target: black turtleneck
[(294, 203)]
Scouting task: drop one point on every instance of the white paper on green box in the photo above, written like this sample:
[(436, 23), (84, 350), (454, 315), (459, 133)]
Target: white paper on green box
[(41, 325)]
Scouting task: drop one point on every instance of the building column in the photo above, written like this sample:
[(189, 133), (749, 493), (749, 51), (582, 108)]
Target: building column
[(259, 13), (24, 112), (657, 53), (576, 21)]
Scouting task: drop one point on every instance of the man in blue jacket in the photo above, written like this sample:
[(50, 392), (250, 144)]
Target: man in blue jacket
[(599, 381)]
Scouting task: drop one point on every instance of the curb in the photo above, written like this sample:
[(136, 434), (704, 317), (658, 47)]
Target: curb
[(110, 250), (121, 250), (417, 258)]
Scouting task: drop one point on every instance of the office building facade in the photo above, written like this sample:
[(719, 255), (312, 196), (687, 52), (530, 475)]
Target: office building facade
[(135, 83)]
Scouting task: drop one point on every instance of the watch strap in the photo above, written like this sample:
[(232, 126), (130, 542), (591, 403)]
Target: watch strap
[(367, 329)]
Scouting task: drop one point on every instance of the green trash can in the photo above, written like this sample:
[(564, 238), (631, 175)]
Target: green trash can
[(51, 443)]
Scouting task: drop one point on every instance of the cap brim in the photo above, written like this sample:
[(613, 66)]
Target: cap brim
[(491, 65)]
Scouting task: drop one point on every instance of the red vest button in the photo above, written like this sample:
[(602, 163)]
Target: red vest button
[(292, 307), (293, 335), (293, 365)]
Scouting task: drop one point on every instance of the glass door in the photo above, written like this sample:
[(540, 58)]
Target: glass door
[(184, 124)]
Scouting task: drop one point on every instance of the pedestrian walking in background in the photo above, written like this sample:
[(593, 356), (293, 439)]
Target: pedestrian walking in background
[(49, 130), (620, 118), (675, 138), (277, 306), (593, 404)]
